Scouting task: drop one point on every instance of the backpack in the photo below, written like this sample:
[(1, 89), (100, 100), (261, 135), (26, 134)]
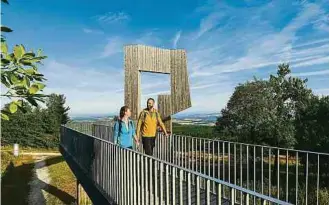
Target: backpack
[(157, 118), (156, 114)]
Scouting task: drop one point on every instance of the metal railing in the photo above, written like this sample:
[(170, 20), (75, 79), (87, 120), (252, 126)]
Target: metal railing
[(295, 176), (129, 177)]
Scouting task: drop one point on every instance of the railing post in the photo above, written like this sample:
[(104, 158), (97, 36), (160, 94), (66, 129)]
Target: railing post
[(78, 193), (93, 129)]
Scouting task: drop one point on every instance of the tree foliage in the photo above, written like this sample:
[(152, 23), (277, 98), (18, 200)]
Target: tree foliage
[(312, 125), (280, 112), (36, 127), (20, 77), (57, 113)]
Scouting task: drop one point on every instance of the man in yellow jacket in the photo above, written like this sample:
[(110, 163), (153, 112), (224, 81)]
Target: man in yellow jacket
[(148, 121)]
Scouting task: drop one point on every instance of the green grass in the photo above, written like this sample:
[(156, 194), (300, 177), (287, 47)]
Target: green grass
[(194, 130), (28, 149), (62, 187)]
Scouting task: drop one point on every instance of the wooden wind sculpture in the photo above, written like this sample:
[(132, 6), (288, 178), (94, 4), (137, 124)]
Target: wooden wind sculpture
[(141, 58)]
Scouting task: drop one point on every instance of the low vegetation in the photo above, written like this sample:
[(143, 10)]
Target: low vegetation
[(194, 130), (63, 182)]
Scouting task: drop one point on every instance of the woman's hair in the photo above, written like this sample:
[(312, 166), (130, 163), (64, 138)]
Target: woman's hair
[(123, 110)]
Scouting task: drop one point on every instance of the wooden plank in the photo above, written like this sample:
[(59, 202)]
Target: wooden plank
[(132, 80), (152, 59), (180, 91), (164, 108)]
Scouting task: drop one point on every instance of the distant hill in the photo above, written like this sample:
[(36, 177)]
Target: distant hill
[(92, 118), (194, 117), (208, 117)]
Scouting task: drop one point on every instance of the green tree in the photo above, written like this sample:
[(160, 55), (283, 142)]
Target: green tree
[(264, 112), (312, 125), (26, 128), (56, 105), (56, 114), (249, 114), (36, 127), (20, 76)]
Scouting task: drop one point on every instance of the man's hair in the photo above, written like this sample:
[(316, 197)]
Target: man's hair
[(150, 99)]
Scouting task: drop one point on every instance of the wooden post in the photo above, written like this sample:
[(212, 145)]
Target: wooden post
[(78, 193)]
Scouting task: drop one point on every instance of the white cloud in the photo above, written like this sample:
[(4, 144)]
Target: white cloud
[(176, 39), (209, 103), (200, 74), (268, 47), (320, 72), (316, 61), (87, 90), (208, 23), (196, 87), (113, 46), (112, 17), (89, 31), (322, 91), (317, 41), (163, 92), (323, 22)]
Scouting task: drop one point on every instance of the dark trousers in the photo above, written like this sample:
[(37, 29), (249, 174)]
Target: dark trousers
[(148, 145)]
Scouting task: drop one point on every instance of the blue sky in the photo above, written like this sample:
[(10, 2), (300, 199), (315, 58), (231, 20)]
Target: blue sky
[(228, 42)]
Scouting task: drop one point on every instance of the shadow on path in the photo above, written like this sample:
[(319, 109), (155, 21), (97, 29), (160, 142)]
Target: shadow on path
[(15, 186)]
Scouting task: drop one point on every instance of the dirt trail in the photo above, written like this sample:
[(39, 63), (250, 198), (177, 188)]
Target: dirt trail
[(41, 178), (41, 153)]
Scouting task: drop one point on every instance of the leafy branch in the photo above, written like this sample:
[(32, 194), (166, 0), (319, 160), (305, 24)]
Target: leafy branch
[(20, 75)]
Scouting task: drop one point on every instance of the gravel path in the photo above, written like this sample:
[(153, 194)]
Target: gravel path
[(39, 182)]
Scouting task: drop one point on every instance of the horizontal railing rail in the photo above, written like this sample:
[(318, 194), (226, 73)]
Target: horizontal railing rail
[(129, 177)]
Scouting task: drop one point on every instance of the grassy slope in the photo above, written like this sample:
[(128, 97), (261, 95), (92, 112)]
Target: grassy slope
[(63, 182)]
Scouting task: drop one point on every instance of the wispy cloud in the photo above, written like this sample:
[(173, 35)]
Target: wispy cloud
[(90, 31), (323, 22), (204, 86), (306, 74), (322, 91), (87, 91), (263, 49), (112, 17), (209, 22), (176, 38), (113, 46), (163, 92), (313, 62)]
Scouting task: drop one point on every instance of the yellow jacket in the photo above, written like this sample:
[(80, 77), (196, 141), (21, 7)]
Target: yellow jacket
[(148, 122)]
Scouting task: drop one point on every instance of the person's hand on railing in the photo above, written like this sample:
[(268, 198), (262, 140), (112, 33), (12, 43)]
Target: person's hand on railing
[(167, 134), (136, 140)]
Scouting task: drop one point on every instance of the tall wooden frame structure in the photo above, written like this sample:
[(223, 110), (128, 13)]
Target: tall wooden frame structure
[(141, 58)]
